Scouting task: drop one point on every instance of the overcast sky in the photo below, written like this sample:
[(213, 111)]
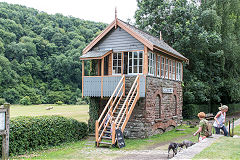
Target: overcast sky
[(94, 10)]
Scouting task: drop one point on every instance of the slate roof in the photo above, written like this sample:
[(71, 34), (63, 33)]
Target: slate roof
[(94, 54), (153, 40)]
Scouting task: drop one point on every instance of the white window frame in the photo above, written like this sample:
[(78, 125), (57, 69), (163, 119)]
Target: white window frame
[(166, 69), (170, 68), (117, 63), (133, 65), (162, 66), (158, 65), (180, 71), (151, 63), (173, 69), (177, 71)]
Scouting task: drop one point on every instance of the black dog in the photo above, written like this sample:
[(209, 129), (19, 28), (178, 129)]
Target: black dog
[(173, 147), (187, 143)]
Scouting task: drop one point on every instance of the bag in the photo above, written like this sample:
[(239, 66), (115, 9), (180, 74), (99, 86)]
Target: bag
[(208, 131)]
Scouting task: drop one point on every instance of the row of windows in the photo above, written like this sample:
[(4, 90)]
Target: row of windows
[(134, 61), (166, 68), (133, 64)]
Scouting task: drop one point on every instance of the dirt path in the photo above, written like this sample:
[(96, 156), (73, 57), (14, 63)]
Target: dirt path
[(157, 152)]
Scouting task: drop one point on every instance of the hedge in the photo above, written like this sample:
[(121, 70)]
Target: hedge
[(32, 133), (191, 110)]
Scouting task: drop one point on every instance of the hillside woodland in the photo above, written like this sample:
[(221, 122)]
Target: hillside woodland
[(39, 53)]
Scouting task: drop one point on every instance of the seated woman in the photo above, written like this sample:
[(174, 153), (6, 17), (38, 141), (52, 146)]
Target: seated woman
[(202, 127), (220, 120)]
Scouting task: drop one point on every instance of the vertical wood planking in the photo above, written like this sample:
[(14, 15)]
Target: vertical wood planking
[(145, 66)]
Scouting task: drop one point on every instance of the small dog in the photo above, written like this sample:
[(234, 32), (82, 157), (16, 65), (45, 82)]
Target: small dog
[(173, 146), (187, 143)]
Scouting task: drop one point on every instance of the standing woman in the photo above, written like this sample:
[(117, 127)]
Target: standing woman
[(220, 120)]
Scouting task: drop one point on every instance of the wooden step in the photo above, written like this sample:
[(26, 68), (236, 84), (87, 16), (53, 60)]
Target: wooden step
[(108, 143), (106, 137)]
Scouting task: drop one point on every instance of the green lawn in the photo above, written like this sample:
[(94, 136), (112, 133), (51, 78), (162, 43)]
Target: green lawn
[(223, 148), (78, 112), (86, 149)]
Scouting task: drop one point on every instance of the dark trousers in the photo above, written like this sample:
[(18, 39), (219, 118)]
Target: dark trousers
[(224, 130)]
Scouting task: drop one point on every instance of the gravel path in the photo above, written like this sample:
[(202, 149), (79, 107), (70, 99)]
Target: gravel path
[(197, 148), (154, 154)]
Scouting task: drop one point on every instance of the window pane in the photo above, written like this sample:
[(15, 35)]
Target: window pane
[(130, 62), (140, 61), (140, 54), (135, 69), (119, 55), (114, 55), (114, 69), (130, 54), (114, 62), (130, 69), (135, 54), (119, 62), (135, 62), (119, 69), (140, 69)]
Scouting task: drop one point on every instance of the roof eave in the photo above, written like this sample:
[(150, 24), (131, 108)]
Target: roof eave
[(171, 54), (135, 35), (99, 37), (101, 57)]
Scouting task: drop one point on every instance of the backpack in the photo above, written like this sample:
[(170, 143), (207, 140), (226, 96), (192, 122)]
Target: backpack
[(208, 131)]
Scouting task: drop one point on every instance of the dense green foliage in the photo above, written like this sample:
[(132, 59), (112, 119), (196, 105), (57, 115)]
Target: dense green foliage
[(39, 55), (31, 133), (93, 112), (208, 34)]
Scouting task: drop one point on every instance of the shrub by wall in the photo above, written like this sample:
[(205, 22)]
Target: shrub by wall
[(31, 133)]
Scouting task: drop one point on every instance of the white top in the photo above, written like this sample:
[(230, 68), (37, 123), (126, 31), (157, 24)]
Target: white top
[(221, 120)]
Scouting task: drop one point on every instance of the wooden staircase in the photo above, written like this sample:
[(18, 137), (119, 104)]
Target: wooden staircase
[(116, 112)]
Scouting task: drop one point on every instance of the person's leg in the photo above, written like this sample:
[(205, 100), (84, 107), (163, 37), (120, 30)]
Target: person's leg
[(225, 131), (217, 130)]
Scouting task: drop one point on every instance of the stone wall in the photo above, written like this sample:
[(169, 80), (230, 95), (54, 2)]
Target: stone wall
[(157, 112)]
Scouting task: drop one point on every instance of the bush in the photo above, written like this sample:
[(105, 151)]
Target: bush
[(2, 101), (80, 101), (31, 133), (25, 101), (59, 102)]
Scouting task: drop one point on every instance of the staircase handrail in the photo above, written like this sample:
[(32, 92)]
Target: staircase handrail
[(126, 100), (111, 102)]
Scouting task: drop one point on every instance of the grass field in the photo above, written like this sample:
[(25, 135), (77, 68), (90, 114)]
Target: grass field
[(78, 112), (223, 148), (86, 149)]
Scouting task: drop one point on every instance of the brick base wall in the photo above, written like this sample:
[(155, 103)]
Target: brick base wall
[(157, 112)]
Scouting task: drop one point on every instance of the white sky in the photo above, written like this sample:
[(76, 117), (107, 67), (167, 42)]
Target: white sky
[(94, 10)]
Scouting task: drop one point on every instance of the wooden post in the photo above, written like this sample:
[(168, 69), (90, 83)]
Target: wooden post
[(124, 85), (96, 132), (82, 76), (102, 74), (138, 87), (145, 61), (5, 116), (229, 127), (233, 127), (113, 133)]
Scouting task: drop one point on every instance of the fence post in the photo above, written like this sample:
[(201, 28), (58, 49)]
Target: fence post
[(96, 132), (113, 133), (229, 128), (5, 135)]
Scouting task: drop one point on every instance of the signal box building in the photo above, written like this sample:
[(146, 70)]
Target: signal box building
[(139, 79)]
